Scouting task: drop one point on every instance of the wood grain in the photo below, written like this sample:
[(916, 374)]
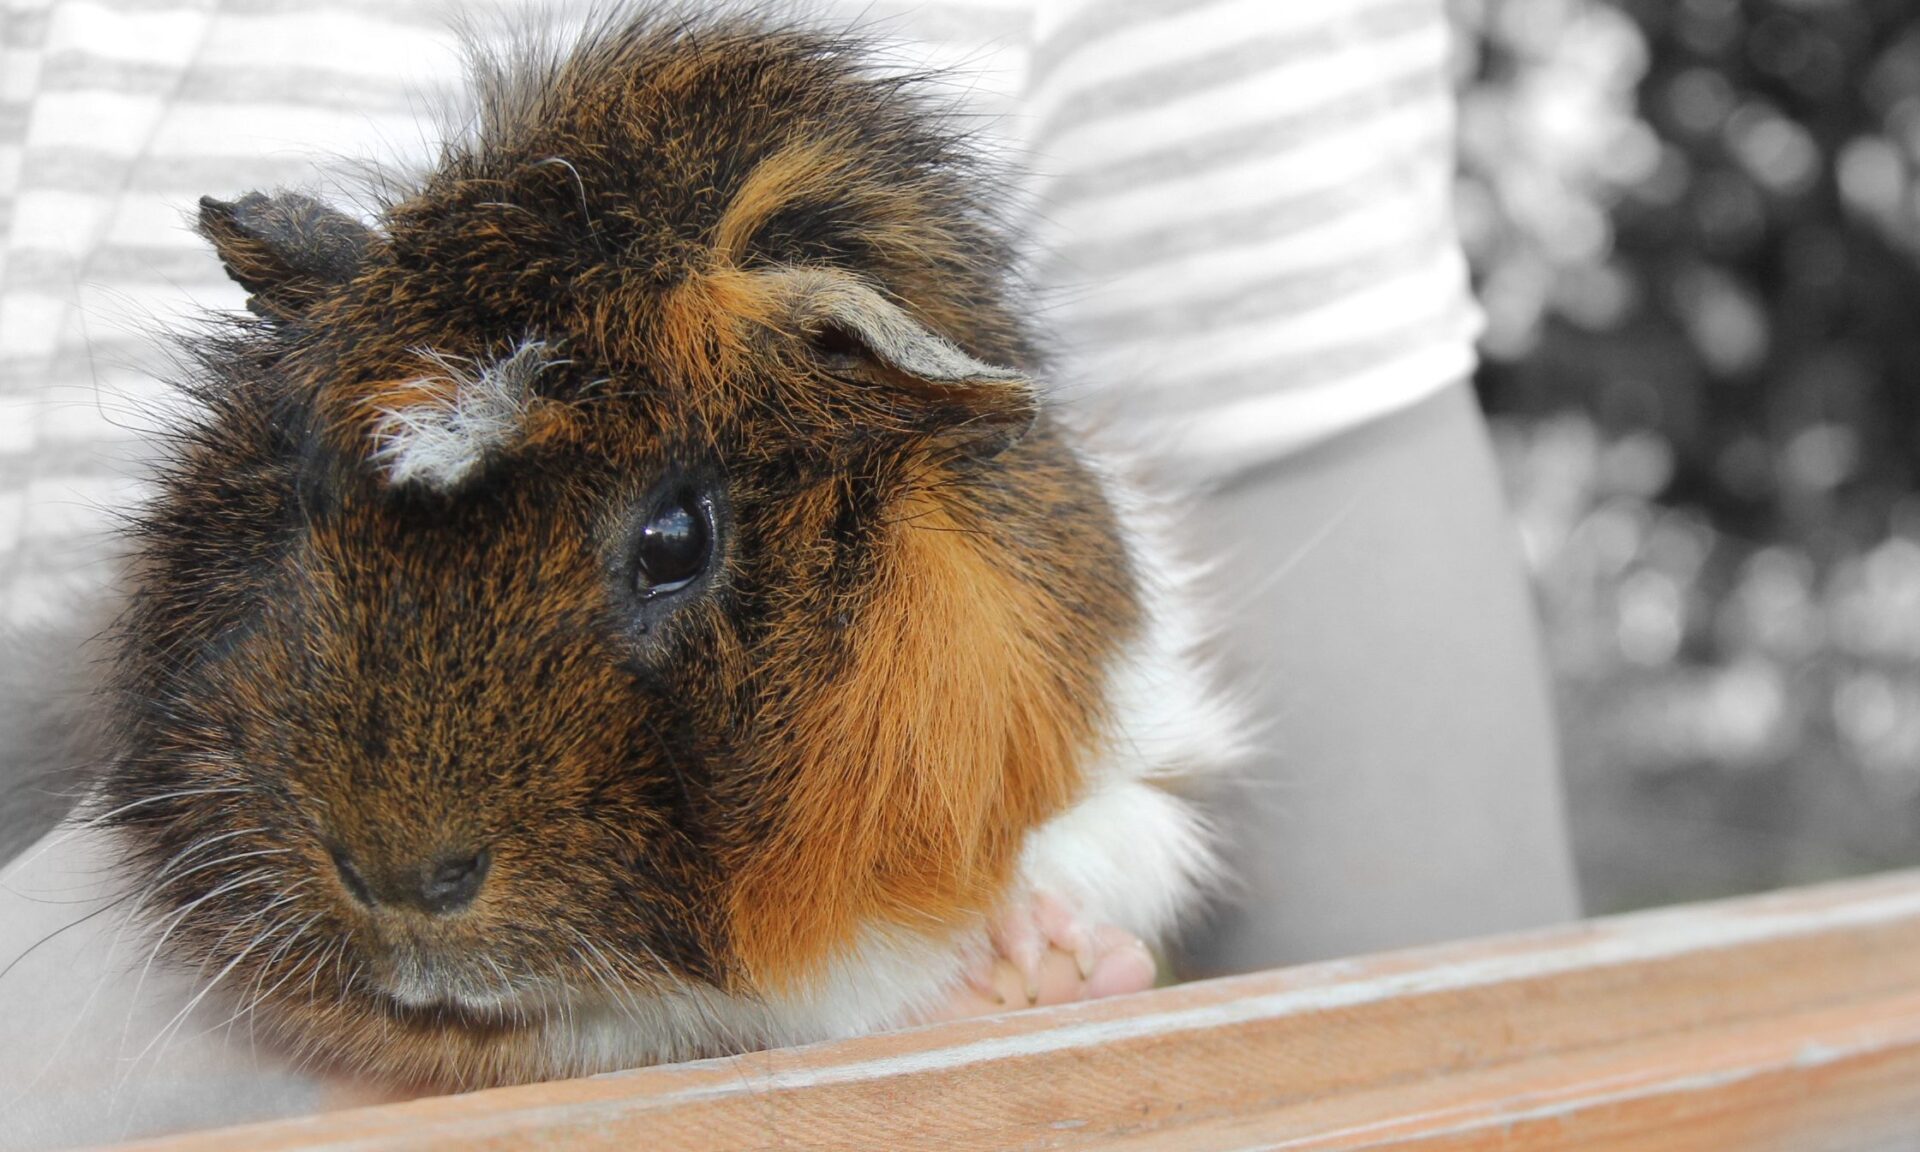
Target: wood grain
[(1782, 1023)]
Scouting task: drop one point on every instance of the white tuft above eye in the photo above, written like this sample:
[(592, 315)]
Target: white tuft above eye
[(473, 410)]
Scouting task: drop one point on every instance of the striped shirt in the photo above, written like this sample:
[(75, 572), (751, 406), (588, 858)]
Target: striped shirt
[(1240, 209)]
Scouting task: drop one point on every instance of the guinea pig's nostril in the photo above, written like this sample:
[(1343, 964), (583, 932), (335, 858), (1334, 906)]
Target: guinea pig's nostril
[(350, 878), (444, 884), (452, 881)]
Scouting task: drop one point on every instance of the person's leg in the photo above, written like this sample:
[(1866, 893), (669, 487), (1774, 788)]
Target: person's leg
[(1375, 613)]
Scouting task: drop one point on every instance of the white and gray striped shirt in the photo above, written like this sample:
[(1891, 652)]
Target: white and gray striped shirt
[(1240, 207)]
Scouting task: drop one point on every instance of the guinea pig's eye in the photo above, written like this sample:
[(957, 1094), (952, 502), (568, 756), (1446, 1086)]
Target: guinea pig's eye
[(675, 543)]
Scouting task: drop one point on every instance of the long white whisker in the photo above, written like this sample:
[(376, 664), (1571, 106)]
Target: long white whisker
[(88, 823), (154, 883), (180, 1017), (153, 889), (256, 876), (287, 896), (313, 982), (255, 996), (1307, 548), (101, 817)]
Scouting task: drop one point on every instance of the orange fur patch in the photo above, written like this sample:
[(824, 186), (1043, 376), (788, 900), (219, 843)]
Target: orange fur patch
[(364, 407), (920, 768), (703, 325), (810, 169)]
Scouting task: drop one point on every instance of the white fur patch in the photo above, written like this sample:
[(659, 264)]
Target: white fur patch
[(888, 979), (1137, 851), (478, 410)]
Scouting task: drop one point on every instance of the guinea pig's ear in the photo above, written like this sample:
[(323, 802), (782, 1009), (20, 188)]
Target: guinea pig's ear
[(856, 330), (286, 249)]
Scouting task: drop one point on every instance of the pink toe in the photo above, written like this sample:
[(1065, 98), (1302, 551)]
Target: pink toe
[(1016, 937), (1124, 965), (979, 976), (1064, 930)]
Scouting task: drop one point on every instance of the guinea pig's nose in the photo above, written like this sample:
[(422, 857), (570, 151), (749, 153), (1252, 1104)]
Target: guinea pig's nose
[(451, 881), (444, 884)]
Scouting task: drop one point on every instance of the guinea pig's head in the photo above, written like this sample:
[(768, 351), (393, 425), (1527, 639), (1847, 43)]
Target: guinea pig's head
[(639, 563)]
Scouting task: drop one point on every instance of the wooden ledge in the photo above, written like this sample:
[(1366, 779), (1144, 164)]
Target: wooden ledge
[(1786, 1022)]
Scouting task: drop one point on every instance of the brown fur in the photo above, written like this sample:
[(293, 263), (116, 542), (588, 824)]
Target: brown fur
[(892, 673)]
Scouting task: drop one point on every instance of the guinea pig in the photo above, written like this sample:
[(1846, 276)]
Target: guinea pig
[(637, 601)]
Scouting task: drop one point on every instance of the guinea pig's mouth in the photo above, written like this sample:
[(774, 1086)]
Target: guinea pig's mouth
[(419, 986)]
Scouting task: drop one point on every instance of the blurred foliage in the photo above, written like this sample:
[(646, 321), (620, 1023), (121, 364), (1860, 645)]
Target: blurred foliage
[(1695, 226)]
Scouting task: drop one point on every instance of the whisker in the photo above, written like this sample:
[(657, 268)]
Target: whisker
[(255, 995), (70, 925), (99, 818), (88, 823), (287, 896), (257, 876), (179, 1018), (154, 886), (1323, 535)]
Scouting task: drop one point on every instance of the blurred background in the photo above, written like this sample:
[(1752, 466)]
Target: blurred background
[(1695, 227)]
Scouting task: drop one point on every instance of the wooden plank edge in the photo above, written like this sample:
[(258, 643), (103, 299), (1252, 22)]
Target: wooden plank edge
[(1249, 1060)]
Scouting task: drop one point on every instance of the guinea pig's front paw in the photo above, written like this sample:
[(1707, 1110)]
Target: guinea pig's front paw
[(1045, 952), (1024, 932)]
